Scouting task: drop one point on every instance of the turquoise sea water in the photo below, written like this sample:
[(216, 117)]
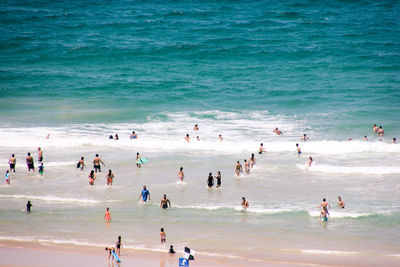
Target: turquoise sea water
[(81, 71)]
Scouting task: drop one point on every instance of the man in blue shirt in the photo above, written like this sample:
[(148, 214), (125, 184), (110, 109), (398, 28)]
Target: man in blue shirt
[(145, 193)]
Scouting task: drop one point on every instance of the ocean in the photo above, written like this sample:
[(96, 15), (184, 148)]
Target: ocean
[(82, 71)]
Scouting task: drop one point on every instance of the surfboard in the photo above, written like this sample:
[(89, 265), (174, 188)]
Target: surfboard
[(144, 160), (115, 256)]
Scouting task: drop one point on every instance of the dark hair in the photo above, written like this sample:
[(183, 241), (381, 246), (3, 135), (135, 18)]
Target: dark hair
[(210, 174), (297, 144), (82, 158), (323, 199), (119, 237), (13, 154), (261, 144), (29, 153), (97, 155), (162, 229), (181, 168), (109, 171), (187, 135)]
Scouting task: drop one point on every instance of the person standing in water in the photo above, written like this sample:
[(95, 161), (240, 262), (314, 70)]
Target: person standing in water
[(310, 161), (304, 138), (118, 245), (81, 164), (107, 215), (40, 155), (110, 178), (41, 169), (138, 160), (116, 137), (375, 128), (298, 149), (96, 163), (181, 175), (133, 135), (325, 205), (165, 202), (29, 162), (7, 176), (323, 216), (12, 162), (218, 177), (210, 180), (92, 177), (365, 138), (196, 127), (394, 141), (187, 138), (340, 202), (252, 160), (277, 131), (220, 138), (163, 236), (381, 132), (144, 194), (28, 206), (245, 203), (261, 149), (238, 168), (246, 167)]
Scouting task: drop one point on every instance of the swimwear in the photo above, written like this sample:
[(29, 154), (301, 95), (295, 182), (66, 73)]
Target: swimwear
[(41, 169), (118, 245), (91, 181), (259, 152), (145, 193), (210, 181), (97, 167), (165, 206), (40, 159), (30, 166), (324, 219), (219, 181)]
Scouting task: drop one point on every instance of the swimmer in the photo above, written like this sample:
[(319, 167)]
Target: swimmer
[(163, 236), (92, 177), (305, 137), (110, 178), (165, 202), (245, 203), (28, 206), (118, 245), (375, 128), (277, 131), (29, 162), (325, 205), (310, 161), (81, 164), (40, 155), (218, 177), (340, 202), (323, 215), (381, 132), (220, 138), (238, 168), (210, 180), (171, 249), (116, 137), (7, 176), (365, 138), (393, 141), (261, 149), (252, 160), (111, 137), (48, 136), (41, 169), (180, 174), (144, 194), (246, 167), (196, 127), (138, 160), (298, 149), (96, 163), (107, 215), (12, 161), (349, 139), (187, 138), (198, 138), (133, 135)]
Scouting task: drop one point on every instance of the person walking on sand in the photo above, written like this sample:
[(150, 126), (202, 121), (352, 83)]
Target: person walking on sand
[(107, 215), (92, 177), (40, 155), (7, 176), (252, 160), (325, 205), (165, 202), (210, 180), (238, 168), (218, 177), (298, 149), (163, 236), (340, 202), (144, 194), (12, 162), (245, 203), (81, 164), (110, 178), (261, 149), (96, 163), (246, 167), (29, 162), (118, 245), (180, 174)]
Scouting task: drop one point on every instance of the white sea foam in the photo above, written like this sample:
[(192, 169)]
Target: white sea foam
[(329, 252), (377, 170), (53, 199), (342, 214)]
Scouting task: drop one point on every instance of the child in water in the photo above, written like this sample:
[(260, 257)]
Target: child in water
[(41, 169), (323, 216), (118, 245), (163, 236), (7, 177), (107, 215)]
